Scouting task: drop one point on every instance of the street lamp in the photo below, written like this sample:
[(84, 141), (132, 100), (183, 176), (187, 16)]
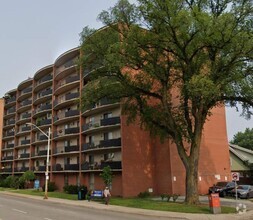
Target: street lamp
[(47, 165)]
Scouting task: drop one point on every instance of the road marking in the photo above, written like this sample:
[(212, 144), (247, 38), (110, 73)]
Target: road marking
[(45, 219), (19, 211)]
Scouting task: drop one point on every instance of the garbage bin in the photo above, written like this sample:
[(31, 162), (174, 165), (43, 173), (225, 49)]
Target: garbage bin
[(79, 195), (83, 193), (214, 203)]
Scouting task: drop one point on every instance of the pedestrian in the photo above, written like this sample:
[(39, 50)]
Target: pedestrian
[(107, 195)]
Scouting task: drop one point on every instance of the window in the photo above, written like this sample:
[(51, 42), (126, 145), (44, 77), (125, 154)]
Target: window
[(107, 115)]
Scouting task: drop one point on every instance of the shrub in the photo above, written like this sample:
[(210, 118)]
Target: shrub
[(144, 194), (8, 182), (163, 196), (73, 189), (51, 187), (175, 197), (168, 197), (21, 182), (14, 183)]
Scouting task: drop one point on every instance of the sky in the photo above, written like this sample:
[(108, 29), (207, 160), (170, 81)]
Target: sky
[(34, 33)]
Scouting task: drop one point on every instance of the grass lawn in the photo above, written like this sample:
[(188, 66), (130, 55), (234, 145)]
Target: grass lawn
[(166, 206), (133, 202)]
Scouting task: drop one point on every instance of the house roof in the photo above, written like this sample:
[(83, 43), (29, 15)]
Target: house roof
[(241, 152)]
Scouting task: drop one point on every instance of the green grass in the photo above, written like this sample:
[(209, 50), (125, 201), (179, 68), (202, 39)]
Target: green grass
[(133, 202), (60, 195), (166, 206)]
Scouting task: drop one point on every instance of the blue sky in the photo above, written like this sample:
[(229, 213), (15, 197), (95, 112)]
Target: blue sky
[(34, 33)]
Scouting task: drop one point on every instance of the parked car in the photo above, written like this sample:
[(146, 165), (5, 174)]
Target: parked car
[(223, 188), (243, 191)]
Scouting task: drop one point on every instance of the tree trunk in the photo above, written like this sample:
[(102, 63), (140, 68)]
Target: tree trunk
[(192, 195)]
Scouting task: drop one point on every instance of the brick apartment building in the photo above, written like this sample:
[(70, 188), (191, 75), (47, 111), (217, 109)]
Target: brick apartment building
[(84, 142)]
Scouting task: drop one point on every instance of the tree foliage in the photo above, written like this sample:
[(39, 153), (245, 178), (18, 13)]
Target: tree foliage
[(107, 176), (244, 139), (171, 62)]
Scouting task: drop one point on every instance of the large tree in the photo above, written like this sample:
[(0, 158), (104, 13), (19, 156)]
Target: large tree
[(244, 139), (171, 62)]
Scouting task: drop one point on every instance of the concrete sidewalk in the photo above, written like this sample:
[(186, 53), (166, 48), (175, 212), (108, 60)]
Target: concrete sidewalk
[(156, 214)]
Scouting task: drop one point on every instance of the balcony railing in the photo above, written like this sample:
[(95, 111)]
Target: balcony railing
[(44, 122), (102, 144), (27, 128), (71, 148), (10, 145), (26, 115), (110, 143), (24, 142), (10, 122), (26, 102), (44, 79), (68, 64), (21, 169), (25, 155), (9, 134), (111, 164), (11, 99), (71, 167), (10, 111), (73, 130), (102, 122), (7, 170), (7, 158), (26, 90)]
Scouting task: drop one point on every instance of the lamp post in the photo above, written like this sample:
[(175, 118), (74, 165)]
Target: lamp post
[(47, 164)]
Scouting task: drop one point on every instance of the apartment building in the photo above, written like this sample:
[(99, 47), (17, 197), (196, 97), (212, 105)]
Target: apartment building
[(82, 143)]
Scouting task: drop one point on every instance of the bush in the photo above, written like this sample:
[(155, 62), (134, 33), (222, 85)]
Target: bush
[(168, 197), (21, 182), (51, 187), (8, 182), (73, 189), (175, 197), (144, 194)]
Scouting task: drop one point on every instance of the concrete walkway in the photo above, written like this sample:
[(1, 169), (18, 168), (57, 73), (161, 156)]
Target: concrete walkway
[(156, 214)]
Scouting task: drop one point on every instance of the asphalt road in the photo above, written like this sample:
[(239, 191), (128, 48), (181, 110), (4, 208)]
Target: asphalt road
[(19, 208)]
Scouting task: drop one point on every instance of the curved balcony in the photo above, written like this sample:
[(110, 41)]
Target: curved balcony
[(24, 106), (66, 101), (10, 101), (66, 61), (103, 145), (39, 140), (24, 144), (8, 147), (67, 84), (24, 131), (9, 124), (7, 158), (10, 113), (89, 70), (102, 106), (8, 135), (71, 115), (43, 96), (42, 110), (24, 118), (66, 133), (44, 80), (24, 94), (102, 125)]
